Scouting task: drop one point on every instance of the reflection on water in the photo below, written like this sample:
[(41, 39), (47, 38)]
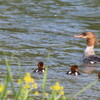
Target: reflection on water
[(32, 29)]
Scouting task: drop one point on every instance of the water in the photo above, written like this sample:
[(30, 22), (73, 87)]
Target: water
[(32, 29)]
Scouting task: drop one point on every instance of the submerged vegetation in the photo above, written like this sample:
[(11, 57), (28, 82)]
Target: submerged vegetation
[(28, 88)]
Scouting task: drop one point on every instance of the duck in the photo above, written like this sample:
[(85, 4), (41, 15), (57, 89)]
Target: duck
[(89, 56), (99, 75), (73, 71), (40, 68)]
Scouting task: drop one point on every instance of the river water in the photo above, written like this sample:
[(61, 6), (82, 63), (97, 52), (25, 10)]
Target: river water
[(33, 29)]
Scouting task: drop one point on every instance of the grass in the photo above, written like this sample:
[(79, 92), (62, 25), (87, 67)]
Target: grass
[(28, 87)]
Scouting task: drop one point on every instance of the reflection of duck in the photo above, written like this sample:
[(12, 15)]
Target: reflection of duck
[(41, 68), (73, 71), (89, 55)]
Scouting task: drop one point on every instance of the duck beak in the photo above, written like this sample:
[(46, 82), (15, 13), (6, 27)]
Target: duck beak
[(79, 36)]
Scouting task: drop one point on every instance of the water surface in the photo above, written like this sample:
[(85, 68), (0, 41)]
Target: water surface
[(32, 29)]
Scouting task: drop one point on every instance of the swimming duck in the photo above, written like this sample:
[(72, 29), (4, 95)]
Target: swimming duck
[(73, 71), (89, 55), (99, 75), (40, 68)]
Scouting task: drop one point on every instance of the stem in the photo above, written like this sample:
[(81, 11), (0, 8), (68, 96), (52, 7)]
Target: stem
[(5, 87), (10, 76), (88, 86), (45, 78)]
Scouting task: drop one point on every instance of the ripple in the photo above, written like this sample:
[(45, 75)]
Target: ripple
[(33, 29)]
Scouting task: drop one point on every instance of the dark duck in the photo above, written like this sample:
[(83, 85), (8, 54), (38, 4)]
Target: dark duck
[(89, 56), (40, 68), (73, 71)]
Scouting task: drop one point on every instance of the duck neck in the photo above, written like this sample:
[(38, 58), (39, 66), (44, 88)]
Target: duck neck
[(91, 41), (89, 51)]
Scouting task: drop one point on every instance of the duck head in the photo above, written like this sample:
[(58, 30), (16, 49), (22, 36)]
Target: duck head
[(90, 36), (40, 65), (74, 68)]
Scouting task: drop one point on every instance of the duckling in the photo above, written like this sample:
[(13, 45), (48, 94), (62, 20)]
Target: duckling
[(40, 68), (73, 71)]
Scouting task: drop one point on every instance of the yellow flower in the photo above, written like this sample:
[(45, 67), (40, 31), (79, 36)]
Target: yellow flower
[(56, 87), (57, 83), (28, 74), (26, 86), (28, 78), (36, 93), (46, 94), (35, 85), (61, 92), (19, 81), (1, 87), (63, 98), (8, 92)]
